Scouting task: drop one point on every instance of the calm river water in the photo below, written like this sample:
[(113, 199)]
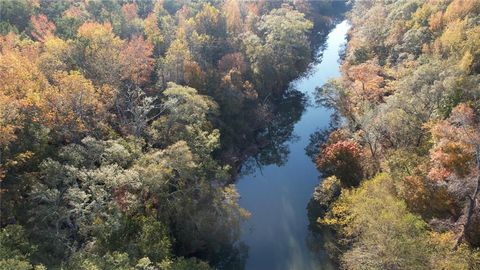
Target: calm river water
[(277, 196)]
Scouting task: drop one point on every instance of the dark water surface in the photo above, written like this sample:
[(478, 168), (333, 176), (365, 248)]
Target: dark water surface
[(277, 196)]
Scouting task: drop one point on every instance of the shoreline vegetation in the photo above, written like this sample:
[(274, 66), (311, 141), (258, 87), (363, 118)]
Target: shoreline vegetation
[(123, 123), (401, 163)]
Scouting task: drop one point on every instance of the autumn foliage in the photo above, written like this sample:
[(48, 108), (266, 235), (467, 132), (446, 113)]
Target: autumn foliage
[(454, 154), (42, 27), (122, 123), (367, 81), (342, 159), (137, 60), (409, 99)]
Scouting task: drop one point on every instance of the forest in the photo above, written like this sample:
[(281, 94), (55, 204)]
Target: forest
[(402, 156), (123, 124)]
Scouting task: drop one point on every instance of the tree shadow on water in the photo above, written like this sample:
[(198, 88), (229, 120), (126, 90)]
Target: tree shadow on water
[(274, 139)]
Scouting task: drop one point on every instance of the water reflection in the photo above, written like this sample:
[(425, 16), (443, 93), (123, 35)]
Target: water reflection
[(285, 112), (288, 111), (279, 183), (232, 256)]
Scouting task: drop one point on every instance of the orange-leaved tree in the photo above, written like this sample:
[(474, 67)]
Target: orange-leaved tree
[(455, 162), (342, 159)]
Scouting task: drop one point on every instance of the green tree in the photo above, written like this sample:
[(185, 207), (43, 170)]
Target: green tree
[(89, 186), (15, 248), (282, 51), (187, 118), (16, 14)]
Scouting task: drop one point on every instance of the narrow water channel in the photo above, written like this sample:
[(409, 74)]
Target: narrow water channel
[(277, 196)]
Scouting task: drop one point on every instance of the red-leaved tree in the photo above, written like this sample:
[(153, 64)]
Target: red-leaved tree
[(42, 27), (342, 159)]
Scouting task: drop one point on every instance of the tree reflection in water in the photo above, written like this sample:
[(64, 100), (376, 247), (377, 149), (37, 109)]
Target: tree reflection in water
[(280, 129)]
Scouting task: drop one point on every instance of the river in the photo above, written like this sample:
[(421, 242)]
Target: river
[(277, 196)]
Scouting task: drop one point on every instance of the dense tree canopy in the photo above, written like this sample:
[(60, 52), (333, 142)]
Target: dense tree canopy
[(408, 100), (123, 122)]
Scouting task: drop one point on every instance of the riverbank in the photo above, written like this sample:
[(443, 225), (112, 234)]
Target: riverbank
[(402, 168), (277, 195)]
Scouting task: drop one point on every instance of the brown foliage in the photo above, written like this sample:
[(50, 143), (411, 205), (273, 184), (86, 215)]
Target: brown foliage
[(367, 82), (137, 60), (454, 151), (130, 11), (232, 61), (42, 28)]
